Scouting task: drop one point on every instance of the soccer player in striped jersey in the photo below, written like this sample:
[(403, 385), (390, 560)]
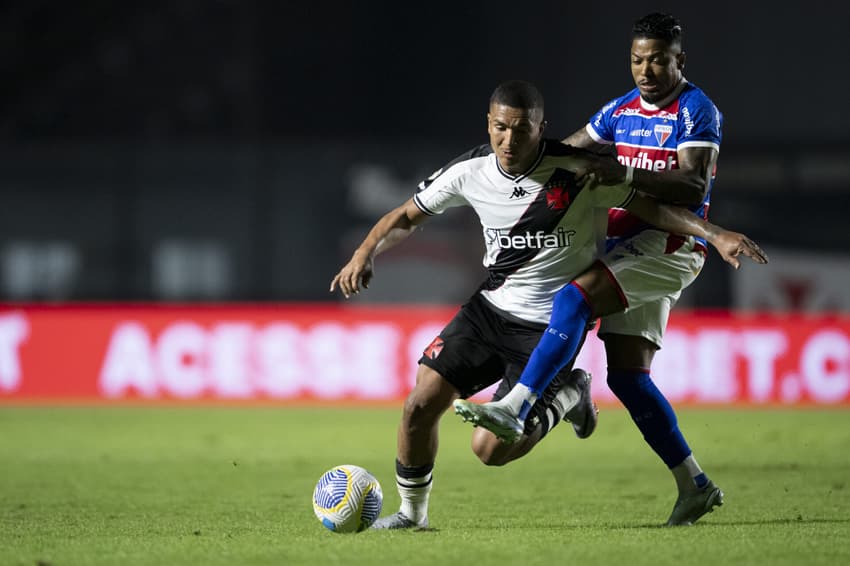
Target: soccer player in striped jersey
[(667, 134), (541, 227)]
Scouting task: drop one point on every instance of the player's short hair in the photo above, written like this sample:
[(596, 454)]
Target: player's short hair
[(517, 94), (658, 25)]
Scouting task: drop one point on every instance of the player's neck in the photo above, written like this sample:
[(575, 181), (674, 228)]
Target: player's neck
[(667, 98)]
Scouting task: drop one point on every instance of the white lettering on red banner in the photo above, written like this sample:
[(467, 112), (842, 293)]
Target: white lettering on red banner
[(326, 353), (13, 331)]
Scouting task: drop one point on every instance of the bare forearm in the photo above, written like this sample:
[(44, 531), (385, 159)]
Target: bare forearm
[(671, 218), (677, 187), (392, 228), (395, 236)]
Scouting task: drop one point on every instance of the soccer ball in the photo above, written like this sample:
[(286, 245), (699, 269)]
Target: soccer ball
[(347, 499)]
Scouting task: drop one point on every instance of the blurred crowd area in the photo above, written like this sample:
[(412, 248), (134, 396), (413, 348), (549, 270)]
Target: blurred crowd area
[(239, 151)]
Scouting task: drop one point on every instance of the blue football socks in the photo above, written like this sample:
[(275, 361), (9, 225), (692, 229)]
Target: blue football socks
[(652, 414), (558, 345)]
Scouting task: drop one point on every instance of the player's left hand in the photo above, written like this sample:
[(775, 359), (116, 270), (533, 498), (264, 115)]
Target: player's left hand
[(730, 245)]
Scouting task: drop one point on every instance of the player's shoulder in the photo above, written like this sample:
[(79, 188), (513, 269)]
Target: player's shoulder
[(630, 98), (482, 150), (473, 157), (692, 95), (470, 160), (464, 164)]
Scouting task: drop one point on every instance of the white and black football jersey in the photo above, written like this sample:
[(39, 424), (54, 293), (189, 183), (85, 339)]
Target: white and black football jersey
[(540, 228)]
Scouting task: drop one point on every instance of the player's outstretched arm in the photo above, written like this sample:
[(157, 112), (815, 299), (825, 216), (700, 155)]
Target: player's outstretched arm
[(680, 220), (392, 228)]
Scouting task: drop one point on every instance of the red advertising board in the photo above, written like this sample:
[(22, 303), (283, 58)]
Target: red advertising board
[(328, 353)]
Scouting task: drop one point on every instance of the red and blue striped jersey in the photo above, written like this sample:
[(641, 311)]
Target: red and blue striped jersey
[(649, 136)]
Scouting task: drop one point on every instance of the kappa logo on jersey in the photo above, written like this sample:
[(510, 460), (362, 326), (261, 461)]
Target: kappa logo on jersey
[(519, 192), (434, 348), (557, 198), (662, 132)]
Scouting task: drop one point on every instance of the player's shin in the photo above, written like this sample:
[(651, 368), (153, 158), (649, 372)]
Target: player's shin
[(651, 412), (557, 346)]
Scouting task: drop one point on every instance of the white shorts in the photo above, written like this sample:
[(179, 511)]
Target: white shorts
[(650, 282)]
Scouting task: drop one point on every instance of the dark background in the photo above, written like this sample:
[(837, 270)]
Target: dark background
[(224, 150)]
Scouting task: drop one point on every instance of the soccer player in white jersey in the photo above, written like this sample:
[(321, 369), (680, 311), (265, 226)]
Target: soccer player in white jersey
[(541, 229), (666, 132)]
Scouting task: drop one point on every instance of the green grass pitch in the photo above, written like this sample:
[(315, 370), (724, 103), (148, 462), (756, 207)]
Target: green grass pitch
[(200, 485)]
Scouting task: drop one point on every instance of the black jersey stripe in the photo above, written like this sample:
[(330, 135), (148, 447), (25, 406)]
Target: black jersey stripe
[(542, 216)]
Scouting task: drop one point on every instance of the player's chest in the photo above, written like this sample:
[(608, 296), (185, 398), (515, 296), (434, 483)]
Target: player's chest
[(659, 132), (527, 201)]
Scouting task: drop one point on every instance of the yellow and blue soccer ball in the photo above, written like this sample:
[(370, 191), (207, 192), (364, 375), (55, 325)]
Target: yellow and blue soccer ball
[(347, 499)]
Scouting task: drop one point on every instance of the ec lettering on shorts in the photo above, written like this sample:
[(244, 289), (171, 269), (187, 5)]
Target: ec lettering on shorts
[(558, 333)]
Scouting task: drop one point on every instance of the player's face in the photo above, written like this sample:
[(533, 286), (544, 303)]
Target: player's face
[(656, 67), (515, 135)]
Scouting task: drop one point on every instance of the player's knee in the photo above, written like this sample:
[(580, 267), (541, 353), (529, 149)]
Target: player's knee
[(488, 448), (566, 305), (570, 310), (429, 399), (615, 383), (419, 411), (624, 382)]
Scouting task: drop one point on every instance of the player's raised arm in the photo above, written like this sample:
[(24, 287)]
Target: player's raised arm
[(392, 228), (679, 220)]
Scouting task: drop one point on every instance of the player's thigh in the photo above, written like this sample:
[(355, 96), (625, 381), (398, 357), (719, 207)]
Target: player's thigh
[(632, 337), (469, 352), (623, 351), (646, 272)]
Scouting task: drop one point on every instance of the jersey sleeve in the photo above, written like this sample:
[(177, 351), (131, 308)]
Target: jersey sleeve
[(601, 127), (702, 121), (440, 195), (443, 189)]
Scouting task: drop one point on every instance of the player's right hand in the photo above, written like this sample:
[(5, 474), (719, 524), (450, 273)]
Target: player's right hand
[(731, 244), (356, 274)]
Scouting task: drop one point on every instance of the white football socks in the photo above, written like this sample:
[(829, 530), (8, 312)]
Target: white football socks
[(687, 474), (518, 397), (414, 493), (567, 398)]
